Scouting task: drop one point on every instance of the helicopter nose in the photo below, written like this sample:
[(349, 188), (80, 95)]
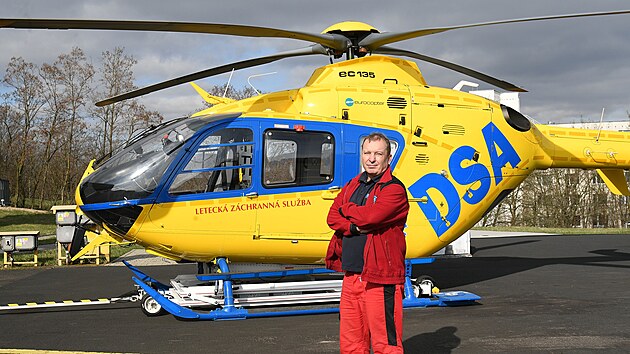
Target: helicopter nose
[(105, 209), (118, 220)]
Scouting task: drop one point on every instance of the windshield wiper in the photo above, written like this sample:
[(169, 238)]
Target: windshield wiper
[(149, 130)]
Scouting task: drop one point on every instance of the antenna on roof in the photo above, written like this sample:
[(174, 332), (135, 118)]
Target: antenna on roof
[(250, 84), (599, 130), (228, 83)]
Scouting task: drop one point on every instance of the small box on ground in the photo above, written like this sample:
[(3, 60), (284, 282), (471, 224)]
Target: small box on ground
[(19, 241), (8, 243), (26, 242), (65, 234), (65, 215)]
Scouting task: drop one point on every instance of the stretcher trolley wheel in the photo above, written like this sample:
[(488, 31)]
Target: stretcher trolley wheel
[(423, 286), (150, 307)]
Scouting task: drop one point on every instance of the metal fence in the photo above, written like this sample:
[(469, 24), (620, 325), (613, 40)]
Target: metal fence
[(5, 194)]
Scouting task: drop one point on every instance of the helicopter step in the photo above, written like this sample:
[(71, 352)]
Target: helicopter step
[(226, 300)]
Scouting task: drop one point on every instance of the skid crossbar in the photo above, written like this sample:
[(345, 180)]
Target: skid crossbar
[(271, 274)]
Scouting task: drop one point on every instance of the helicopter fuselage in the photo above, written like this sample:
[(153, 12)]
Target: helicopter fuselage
[(253, 180)]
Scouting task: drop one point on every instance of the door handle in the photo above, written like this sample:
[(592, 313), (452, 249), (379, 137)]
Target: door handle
[(331, 193), (423, 200), (252, 195)]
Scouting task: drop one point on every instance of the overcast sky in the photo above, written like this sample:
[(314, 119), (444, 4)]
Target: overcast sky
[(571, 68)]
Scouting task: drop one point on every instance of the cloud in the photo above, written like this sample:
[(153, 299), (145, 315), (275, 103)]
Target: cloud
[(572, 68)]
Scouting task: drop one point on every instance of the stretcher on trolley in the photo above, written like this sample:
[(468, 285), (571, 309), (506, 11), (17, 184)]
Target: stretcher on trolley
[(234, 295)]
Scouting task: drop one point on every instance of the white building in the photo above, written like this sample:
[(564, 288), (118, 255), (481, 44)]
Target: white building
[(509, 99), (620, 126)]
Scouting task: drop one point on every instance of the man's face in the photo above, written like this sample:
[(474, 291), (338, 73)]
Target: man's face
[(374, 157)]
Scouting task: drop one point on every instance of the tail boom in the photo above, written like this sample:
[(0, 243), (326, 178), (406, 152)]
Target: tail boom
[(608, 152)]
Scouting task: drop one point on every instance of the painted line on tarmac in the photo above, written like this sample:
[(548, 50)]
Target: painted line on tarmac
[(65, 303)]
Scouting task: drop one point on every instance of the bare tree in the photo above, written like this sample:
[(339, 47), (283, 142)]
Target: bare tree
[(51, 124), (76, 77), (66, 87), (26, 99), (119, 121), (139, 119), (231, 92), (8, 129), (116, 77), (514, 206)]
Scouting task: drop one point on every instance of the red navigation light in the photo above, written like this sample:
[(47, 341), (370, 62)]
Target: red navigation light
[(298, 127)]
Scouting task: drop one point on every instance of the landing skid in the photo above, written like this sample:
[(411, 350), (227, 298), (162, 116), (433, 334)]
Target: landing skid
[(224, 299)]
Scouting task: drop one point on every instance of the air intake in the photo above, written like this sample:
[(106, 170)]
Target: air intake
[(422, 159), (396, 102), (453, 129)]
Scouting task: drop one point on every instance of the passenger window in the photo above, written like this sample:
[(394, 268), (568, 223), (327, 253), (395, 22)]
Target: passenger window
[(222, 162), (280, 160), (297, 158)]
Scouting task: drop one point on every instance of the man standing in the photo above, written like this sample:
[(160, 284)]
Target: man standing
[(368, 216)]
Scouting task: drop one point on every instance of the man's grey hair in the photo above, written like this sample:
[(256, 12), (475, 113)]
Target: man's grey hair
[(376, 136)]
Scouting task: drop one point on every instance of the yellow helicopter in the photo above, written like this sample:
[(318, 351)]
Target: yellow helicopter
[(252, 180)]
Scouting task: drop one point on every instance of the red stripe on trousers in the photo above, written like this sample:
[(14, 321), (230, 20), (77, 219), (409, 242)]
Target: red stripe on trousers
[(362, 317)]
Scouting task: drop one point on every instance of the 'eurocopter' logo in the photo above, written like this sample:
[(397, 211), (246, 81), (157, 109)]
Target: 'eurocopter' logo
[(349, 102)]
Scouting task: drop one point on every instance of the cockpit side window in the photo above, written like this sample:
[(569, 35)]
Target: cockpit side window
[(222, 162)]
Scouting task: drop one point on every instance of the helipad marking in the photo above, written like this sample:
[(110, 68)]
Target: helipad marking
[(56, 304)]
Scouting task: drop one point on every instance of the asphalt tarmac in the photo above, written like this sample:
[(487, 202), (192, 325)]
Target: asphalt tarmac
[(539, 294)]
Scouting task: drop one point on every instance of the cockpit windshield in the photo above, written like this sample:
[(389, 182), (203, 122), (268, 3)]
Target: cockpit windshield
[(136, 170)]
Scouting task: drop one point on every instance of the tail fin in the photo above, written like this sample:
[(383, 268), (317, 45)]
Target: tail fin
[(615, 180)]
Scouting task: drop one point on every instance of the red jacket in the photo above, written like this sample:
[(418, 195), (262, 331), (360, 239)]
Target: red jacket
[(384, 215)]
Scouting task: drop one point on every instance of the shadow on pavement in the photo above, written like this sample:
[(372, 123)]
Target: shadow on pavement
[(443, 340), (456, 272)]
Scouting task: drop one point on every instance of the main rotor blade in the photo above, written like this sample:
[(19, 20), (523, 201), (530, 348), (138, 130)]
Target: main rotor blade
[(461, 69), (335, 41), (375, 40), (311, 50)]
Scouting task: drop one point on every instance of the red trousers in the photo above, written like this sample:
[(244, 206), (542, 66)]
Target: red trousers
[(370, 312)]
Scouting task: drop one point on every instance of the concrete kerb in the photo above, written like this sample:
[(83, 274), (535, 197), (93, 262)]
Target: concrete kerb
[(140, 258), (498, 234)]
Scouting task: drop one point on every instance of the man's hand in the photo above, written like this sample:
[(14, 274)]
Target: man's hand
[(364, 230)]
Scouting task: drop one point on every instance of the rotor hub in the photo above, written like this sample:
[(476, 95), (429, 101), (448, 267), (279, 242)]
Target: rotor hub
[(350, 26), (354, 32)]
